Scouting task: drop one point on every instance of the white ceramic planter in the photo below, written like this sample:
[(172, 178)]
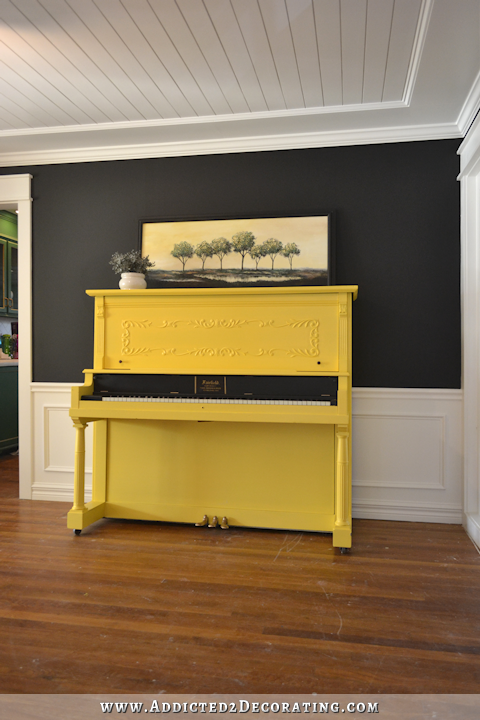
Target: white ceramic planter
[(132, 281)]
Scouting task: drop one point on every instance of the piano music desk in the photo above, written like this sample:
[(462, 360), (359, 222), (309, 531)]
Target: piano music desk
[(284, 466)]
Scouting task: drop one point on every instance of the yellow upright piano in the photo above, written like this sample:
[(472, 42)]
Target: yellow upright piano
[(219, 407)]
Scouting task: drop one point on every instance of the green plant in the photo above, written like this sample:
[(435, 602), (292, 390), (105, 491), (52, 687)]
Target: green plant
[(130, 262)]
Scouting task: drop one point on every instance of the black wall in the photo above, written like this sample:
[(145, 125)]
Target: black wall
[(397, 236)]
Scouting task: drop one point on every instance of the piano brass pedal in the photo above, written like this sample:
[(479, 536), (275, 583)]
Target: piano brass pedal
[(224, 524), (203, 522), (214, 522)]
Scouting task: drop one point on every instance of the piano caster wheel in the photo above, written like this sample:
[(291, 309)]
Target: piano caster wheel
[(224, 524), (77, 532), (344, 551), (214, 522), (203, 523)]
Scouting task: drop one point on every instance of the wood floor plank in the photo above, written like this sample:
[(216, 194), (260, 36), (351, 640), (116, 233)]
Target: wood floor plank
[(150, 607)]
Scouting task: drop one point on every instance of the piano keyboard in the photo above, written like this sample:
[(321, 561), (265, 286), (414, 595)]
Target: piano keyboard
[(203, 401)]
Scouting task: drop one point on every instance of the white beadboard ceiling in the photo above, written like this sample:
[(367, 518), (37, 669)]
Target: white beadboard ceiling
[(101, 79)]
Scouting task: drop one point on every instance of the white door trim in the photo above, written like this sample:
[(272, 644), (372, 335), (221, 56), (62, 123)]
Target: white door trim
[(15, 189), (469, 177)]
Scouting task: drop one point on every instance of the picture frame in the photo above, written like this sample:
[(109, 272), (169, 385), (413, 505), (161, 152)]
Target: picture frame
[(240, 251)]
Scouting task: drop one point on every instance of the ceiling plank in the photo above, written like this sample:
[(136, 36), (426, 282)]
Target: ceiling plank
[(155, 34), (302, 23), (210, 44), (66, 94), (11, 115), (140, 31), (353, 18), (277, 26), (404, 25), (21, 106), (183, 38), (250, 20), (47, 57), (327, 25), (379, 23), (33, 85), (110, 47), (101, 66), (64, 29), (233, 32)]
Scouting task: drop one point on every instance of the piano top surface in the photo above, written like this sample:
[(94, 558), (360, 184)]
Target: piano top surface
[(245, 291)]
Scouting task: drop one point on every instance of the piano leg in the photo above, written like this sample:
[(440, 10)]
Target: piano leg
[(79, 476), (342, 532), (76, 516), (84, 514)]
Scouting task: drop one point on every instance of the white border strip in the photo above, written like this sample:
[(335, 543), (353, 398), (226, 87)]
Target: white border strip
[(417, 50), (216, 146)]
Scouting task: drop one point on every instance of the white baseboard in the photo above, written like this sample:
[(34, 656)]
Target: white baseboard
[(472, 526), (57, 492), (411, 512), (407, 452)]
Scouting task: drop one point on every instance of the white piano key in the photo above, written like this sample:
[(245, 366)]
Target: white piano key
[(227, 401)]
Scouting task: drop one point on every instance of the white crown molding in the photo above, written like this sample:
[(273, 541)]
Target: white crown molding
[(53, 156), (470, 107), (469, 151), (417, 50), (202, 120)]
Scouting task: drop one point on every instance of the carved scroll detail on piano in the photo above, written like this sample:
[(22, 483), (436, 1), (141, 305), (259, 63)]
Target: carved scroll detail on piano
[(126, 324), (227, 324), (136, 323), (224, 324), (206, 351)]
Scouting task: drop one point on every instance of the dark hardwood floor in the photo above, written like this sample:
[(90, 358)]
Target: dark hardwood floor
[(8, 476), (131, 607)]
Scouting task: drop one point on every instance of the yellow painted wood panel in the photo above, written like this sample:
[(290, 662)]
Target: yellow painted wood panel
[(179, 471), (238, 334)]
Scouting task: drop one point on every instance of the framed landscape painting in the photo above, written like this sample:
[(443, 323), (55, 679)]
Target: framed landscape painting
[(239, 252)]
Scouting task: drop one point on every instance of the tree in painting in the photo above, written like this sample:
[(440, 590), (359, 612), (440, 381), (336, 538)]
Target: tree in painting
[(183, 251), (242, 243), (272, 248), (221, 247), (257, 253), (289, 251), (203, 251)]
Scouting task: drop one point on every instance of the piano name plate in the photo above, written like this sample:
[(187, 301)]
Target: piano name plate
[(237, 401)]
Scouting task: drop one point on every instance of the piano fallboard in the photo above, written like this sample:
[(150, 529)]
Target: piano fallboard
[(215, 388)]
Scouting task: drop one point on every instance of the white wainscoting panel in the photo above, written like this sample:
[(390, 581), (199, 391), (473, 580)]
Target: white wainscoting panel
[(54, 444), (407, 452)]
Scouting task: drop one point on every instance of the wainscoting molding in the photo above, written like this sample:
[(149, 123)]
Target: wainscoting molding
[(407, 452), (54, 444)]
